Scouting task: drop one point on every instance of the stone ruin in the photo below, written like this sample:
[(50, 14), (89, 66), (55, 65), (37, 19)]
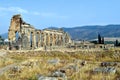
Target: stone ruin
[(23, 36)]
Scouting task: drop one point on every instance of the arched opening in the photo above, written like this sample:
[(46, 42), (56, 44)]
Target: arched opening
[(16, 36), (17, 40)]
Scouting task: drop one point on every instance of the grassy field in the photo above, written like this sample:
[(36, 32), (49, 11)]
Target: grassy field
[(39, 64)]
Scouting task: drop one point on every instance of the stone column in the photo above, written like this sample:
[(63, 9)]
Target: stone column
[(40, 44), (63, 39), (49, 38), (29, 39), (44, 39), (57, 39), (53, 40), (39, 39), (11, 35), (33, 40)]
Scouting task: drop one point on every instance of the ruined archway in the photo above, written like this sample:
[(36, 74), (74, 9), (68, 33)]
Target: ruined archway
[(30, 38)]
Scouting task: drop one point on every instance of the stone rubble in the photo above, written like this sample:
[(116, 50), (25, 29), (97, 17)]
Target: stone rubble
[(54, 61), (110, 70), (105, 64)]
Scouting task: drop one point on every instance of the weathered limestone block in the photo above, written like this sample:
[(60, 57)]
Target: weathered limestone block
[(11, 35), (16, 69), (105, 70), (105, 64), (54, 61), (59, 74), (47, 78)]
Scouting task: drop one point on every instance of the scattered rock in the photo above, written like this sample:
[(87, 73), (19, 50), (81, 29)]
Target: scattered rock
[(74, 68), (58, 74), (16, 69), (83, 63), (47, 78), (105, 70), (29, 64), (55, 76), (69, 69), (105, 64), (54, 61)]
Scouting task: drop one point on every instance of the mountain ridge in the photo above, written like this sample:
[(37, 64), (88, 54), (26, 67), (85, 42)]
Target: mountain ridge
[(88, 32)]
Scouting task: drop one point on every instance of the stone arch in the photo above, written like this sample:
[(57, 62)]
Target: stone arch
[(15, 26)]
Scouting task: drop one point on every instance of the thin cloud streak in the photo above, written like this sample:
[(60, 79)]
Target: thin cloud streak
[(13, 9), (35, 13), (49, 15)]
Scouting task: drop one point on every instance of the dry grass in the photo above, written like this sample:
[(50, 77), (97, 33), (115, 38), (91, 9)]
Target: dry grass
[(85, 73), (5, 61)]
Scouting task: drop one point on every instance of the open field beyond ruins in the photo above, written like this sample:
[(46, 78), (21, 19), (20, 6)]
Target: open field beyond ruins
[(67, 64)]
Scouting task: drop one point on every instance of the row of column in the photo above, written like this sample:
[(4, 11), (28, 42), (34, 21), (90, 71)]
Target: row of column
[(47, 39), (41, 39)]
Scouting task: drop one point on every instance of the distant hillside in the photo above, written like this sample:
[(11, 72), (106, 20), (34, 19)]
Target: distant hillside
[(89, 32), (4, 35)]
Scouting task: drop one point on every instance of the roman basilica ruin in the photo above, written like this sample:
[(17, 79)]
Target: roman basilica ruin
[(23, 36)]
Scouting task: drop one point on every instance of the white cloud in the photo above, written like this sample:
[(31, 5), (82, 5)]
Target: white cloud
[(36, 13), (24, 11), (20, 10), (13, 9), (48, 15)]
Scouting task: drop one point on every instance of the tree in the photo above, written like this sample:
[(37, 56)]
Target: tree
[(99, 39), (0, 36), (116, 43), (1, 40)]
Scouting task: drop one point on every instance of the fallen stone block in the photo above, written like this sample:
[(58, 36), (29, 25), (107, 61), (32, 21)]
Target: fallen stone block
[(16, 69), (105, 70), (83, 63), (54, 61), (58, 74), (105, 64), (47, 78), (74, 68)]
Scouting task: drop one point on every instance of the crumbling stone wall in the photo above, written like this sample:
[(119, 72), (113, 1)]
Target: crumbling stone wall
[(31, 38)]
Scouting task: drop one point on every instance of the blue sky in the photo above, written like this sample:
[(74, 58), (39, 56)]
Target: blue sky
[(60, 13)]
